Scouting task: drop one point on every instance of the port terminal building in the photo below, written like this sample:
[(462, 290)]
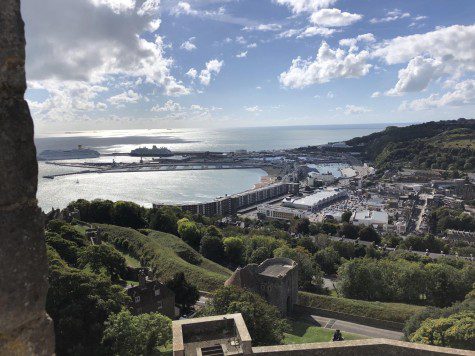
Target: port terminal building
[(315, 202)]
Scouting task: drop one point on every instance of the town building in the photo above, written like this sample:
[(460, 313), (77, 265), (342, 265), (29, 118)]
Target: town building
[(275, 279), (313, 178), (267, 211), (316, 201), (231, 204), (377, 219), (151, 296)]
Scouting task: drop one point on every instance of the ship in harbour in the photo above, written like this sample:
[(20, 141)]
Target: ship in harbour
[(151, 152), (78, 153)]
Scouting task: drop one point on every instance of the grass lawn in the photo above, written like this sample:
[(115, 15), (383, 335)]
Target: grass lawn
[(302, 332)]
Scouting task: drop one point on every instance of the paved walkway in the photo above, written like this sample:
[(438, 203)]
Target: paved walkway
[(354, 328)]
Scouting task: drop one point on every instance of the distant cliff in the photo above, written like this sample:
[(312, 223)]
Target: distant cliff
[(438, 145)]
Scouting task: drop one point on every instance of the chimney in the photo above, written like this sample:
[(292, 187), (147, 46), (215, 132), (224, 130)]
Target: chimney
[(142, 278)]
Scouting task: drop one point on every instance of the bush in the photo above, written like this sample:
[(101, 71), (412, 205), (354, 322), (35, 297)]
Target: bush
[(396, 312), (457, 330)]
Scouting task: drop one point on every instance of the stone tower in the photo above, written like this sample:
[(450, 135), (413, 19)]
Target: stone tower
[(275, 279), (25, 328)]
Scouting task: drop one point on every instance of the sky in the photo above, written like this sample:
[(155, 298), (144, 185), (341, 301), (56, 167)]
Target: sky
[(124, 64)]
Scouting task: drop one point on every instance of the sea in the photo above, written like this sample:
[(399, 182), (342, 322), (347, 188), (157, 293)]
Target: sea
[(146, 188)]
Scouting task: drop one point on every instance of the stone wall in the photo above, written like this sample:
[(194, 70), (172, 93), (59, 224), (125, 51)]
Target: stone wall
[(358, 348), (25, 328)]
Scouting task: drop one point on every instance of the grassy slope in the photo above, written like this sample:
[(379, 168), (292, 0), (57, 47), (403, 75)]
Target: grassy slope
[(160, 252), (437, 138), (302, 332), (397, 312)]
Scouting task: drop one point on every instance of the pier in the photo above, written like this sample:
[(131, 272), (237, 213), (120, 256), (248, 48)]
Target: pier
[(147, 167)]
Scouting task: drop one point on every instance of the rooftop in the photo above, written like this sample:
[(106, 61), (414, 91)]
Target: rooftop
[(278, 270), (317, 197)]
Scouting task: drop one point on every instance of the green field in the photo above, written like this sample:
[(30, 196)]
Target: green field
[(166, 255), (302, 332), (397, 312)]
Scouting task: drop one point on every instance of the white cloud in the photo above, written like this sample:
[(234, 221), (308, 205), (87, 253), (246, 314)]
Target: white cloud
[(188, 45), (66, 101), (117, 6), (351, 42), (241, 40), (446, 51), (299, 6), (289, 33), (263, 27), (417, 75), (169, 106), (192, 73), (100, 49), (330, 95), (454, 45), (334, 18), (252, 45), (242, 55), (127, 97), (328, 64), (463, 93), (353, 110), (376, 94), (213, 66), (101, 106), (316, 31), (392, 15), (254, 109)]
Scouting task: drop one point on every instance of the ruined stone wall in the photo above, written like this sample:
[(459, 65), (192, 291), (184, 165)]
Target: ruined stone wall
[(25, 328)]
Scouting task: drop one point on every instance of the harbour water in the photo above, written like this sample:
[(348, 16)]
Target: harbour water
[(146, 188)]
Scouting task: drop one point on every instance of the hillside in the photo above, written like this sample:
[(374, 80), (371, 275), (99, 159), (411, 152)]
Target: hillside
[(446, 145), (166, 255)]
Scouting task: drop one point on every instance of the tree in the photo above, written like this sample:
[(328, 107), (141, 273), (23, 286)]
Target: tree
[(234, 250), (186, 294), (128, 214), (164, 219), (368, 233), (307, 243), (310, 275), (79, 302), (68, 232), (101, 211), (328, 260), (128, 335), (349, 231), (262, 320), (55, 225), (213, 231), (102, 256), (190, 232), (212, 248), (301, 226), (346, 216), (68, 250), (457, 330), (259, 255)]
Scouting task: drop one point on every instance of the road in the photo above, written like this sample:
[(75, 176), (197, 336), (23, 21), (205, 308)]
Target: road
[(345, 326)]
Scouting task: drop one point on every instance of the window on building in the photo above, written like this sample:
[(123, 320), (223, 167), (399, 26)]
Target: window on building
[(157, 291), (159, 304), (137, 299)]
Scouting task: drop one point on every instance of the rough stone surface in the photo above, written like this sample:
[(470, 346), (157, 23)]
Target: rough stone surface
[(25, 328)]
